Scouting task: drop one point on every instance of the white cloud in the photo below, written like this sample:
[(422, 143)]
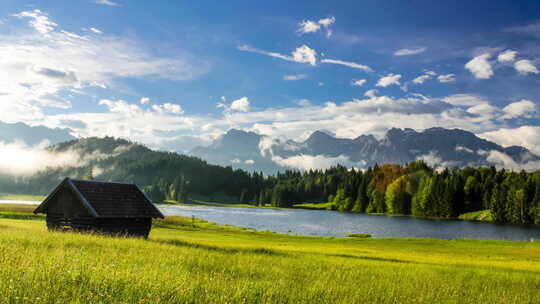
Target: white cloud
[(327, 22), (47, 65), (95, 30), (388, 80), (432, 159), (168, 108), (421, 79), (144, 100), (431, 73), (480, 67), (525, 136), (484, 110), (306, 162), (303, 102), (407, 52), (249, 162), (522, 108), (525, 67), (305, 54), (348, 64), (446, 78), (121, 106), (371, 93), (302, 54), (502, 160), (308, 26), (235, 161), (463, 149), (294, 77), (507, 56), (464, 100), (241, 105), (39, 21), (358, 82), (107, 2)]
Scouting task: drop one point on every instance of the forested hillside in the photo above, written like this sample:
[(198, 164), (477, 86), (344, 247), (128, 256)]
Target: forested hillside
[(163, 175), (413, 189)]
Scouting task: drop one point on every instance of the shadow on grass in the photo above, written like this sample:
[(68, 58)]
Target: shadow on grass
[(180, 243)]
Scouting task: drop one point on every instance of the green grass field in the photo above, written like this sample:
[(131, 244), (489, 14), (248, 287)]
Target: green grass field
[(201, 262)]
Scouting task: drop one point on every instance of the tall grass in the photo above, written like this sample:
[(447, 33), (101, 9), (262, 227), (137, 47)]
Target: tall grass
[(186, 261)]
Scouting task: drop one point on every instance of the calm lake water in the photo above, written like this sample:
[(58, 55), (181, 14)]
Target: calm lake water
[(338, 224)]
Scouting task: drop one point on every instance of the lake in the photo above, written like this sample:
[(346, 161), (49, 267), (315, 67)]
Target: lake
[(339, 224)]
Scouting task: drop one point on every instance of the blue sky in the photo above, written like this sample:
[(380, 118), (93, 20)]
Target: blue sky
[(175, 74)]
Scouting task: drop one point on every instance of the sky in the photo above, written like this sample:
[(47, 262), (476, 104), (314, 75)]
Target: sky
[(177, 74)]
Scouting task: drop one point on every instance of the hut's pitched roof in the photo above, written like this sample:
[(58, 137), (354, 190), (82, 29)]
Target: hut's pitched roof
[(106, 199)]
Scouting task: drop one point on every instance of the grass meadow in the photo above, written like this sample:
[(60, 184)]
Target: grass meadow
[(201, 262)]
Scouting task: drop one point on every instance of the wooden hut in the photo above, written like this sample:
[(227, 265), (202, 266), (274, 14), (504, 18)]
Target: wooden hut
[(110, 208)]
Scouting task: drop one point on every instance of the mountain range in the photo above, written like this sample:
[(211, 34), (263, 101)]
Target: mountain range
[(32, 135), (255, 152), (437, 146)]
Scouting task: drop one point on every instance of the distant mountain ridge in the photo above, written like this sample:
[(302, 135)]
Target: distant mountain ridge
[(438, 146), (11, 132)]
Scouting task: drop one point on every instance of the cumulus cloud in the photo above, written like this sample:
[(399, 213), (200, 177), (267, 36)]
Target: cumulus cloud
[(388, 80), (421, 79), (168, 108), (295, 77), (371, 93), (408, 52), (241, 105), (523, 108), (47, 63), (349, 64), (249, 162), (302, 54), (480, 67), (144, 100), (308, 26), (484, 110), (358, 82), (525, 67), (121, 106), (305, 54), (507, 56), (464, 100), (446, 78), (525, 136)]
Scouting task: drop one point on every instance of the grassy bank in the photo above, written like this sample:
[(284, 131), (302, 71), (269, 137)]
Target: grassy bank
[(21, 197), (482, 215), (201, 262)]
